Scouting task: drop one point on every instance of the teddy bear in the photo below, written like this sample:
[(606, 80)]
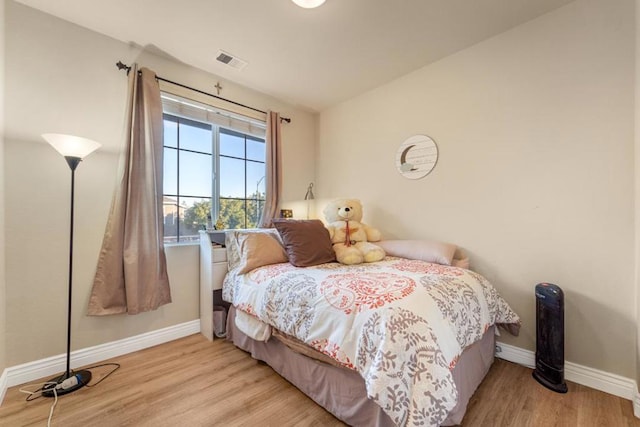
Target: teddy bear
[(351, 238)]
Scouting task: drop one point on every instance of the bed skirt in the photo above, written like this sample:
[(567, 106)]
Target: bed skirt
[(342, 392)]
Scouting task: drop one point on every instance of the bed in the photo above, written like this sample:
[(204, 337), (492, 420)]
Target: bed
[(397, 342)]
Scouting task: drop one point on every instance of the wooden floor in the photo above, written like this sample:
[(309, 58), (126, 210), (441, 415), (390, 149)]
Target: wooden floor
[(193, 382)]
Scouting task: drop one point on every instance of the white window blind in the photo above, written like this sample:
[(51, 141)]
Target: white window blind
[(189, 108)]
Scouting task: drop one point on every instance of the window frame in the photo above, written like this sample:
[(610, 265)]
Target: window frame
[(246, 160), (215, 196)]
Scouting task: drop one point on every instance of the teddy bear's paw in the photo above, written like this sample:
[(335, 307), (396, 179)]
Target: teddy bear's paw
[(352, 258), (374, 255)]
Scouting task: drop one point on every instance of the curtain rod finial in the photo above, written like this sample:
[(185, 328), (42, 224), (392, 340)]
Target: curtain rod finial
[(123, 66)]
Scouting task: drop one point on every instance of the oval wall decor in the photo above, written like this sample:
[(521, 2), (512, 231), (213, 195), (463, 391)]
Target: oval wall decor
[(416, 156)]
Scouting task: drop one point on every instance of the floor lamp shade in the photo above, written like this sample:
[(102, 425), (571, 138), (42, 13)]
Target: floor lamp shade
[(309, 195), (71, 146), (74, 149), (308, 4)]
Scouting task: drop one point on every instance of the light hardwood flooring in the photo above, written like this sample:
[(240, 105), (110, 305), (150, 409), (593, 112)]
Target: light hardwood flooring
[(193, 382)]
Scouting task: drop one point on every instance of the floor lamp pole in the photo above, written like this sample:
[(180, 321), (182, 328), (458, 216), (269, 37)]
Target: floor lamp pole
[(69, 381), (73, 166)]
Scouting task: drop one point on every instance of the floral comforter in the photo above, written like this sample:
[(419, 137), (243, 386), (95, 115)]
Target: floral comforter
[(400, 323)]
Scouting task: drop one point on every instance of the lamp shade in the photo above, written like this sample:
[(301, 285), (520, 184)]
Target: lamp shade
[(308, 4), (309, 195), (71, 146)]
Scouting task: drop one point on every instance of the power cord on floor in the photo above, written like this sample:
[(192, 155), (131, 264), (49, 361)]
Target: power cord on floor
[(117, 366), (55, 395), (33, 395)]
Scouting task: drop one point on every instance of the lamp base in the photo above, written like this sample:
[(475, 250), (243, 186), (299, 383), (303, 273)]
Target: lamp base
[(82, 377)]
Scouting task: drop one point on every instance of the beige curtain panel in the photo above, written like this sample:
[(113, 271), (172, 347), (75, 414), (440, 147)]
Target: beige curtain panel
[(273, 184), (131, 276)]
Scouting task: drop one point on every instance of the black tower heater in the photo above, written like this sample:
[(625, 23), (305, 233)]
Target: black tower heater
[(550, 337)]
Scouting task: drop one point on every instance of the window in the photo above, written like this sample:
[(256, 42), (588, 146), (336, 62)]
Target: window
[(212, 173), (241, 176)]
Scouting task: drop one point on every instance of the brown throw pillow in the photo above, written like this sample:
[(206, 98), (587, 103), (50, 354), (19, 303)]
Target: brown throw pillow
[(307, 242)]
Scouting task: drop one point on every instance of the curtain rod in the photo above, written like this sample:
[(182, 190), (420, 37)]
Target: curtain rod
[(123, 66)]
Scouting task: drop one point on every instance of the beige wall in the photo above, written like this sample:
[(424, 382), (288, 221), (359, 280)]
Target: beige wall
[(62, 78), (3, 306), (637, 189), (536, 173)]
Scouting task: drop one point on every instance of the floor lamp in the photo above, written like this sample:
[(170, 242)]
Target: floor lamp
[(74, 149)]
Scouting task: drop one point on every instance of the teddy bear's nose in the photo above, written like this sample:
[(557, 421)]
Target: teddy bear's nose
[(347, 209)]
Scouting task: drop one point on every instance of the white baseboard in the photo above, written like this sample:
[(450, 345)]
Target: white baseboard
[(51, 366), (3, 385), (594, 378), (516, 355)]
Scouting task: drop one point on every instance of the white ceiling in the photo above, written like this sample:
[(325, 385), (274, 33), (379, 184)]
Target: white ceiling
[(312, 58)]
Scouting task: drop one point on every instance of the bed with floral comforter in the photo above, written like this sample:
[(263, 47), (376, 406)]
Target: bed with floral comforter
[(401, 324)]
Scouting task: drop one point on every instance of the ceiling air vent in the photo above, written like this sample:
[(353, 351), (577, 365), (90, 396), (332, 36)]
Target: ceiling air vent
[(230, 60)]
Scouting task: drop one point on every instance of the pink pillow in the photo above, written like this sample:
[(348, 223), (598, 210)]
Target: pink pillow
[(424, 250)]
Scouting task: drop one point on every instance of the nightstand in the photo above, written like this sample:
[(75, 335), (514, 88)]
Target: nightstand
[(213, 268)]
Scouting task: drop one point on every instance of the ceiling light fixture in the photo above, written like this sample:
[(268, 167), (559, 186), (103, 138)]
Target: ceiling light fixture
[(308, 4)]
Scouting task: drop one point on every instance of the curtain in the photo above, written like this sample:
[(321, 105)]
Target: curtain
[(131, 276), (273, 180)]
